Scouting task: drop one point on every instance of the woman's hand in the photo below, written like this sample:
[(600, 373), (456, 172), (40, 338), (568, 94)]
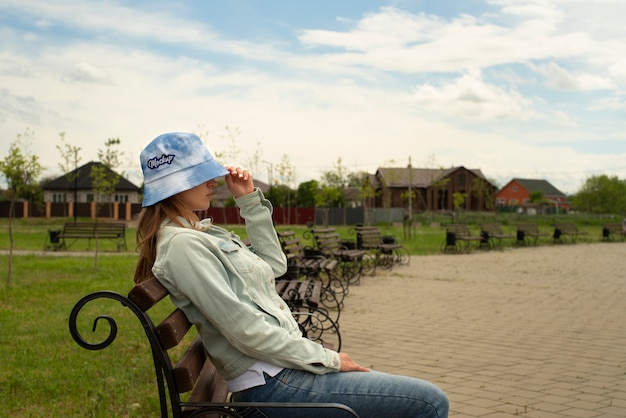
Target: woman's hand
[(348, 365), (238, 181)]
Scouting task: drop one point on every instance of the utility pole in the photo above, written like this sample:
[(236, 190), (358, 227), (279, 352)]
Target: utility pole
[(410, 168)]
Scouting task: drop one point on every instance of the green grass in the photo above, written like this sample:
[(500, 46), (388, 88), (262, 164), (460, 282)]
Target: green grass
[(424, 239), (44, 372)]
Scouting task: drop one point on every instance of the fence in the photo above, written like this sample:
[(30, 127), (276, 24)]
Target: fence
[(220, 215)]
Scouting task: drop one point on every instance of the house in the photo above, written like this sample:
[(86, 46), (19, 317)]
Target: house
[(65, 188), (222, 196), (517, 194), (431, 189)]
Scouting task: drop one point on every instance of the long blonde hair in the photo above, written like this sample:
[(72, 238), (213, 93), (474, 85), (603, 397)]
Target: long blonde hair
[(149, 223)]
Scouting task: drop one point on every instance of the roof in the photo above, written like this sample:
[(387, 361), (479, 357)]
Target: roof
[(85, 181), (419, 177), (543, 186)]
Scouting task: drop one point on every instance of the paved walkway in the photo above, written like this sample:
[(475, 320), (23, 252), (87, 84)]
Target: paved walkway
[(533, 332)]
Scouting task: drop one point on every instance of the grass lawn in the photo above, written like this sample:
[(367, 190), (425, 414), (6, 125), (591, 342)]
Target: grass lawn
[(44, 372)]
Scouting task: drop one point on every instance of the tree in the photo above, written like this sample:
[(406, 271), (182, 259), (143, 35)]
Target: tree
[(286, 178), (104, 178), (601, 195), (482, 189), (69, 166), (231, 154), (305, 196), (333, 184), (459, 200), (442, 184), (21, 170)]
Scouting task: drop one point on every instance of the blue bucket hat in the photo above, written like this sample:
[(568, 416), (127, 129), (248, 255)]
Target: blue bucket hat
[(175, 162)]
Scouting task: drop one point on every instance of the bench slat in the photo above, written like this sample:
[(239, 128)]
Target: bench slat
[(173, 328), (189, 366), (147, 293)]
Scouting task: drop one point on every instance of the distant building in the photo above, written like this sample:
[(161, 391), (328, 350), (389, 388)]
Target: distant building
[(432, 189), (517, 194), (221, 194), (62, 190)]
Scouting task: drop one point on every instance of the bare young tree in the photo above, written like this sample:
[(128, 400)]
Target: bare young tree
[(69, 166), (105, 179), (21, 169)]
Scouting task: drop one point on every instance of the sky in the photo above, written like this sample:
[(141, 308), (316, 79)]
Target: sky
[(531, 89)]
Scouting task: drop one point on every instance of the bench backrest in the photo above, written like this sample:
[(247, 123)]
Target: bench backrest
[(614, 226), (459, 230), (291, 244), (566, 227), (368, 237), (327, 240), (90, 229), (528, 228), (491, 229), (193, 373)]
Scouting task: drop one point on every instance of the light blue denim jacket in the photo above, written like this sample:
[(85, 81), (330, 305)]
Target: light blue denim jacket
[(228, 292)]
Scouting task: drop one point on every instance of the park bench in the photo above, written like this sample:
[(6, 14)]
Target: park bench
[(305, 263), (459, 238), (387, 252), (189, 386), (72, 232), (305, 299), (527, 232), (566, 229), (353, 261), (492, 235), (612, 230)]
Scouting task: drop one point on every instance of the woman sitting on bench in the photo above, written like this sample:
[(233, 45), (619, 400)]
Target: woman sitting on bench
[(227, 291)]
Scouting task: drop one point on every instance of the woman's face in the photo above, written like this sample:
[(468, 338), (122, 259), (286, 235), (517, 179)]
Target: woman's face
[(199, 197)]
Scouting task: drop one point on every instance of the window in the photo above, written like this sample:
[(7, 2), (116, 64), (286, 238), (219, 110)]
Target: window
[(461, 180), (514, 189)]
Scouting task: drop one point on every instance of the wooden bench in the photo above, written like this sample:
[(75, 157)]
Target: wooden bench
[(386, 251), (307, 262), (566, 229), (305, 299), (193, 376), (303, 262), (527, 232), (492, 235), (61, 240), (612, 230), (353, 262), (459, 238)]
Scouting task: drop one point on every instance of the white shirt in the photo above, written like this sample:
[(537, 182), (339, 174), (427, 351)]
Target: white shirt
[(253, 376)]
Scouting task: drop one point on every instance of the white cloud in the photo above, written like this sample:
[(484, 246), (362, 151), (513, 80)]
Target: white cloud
[(559, 78), (83, 72), (471, 97)]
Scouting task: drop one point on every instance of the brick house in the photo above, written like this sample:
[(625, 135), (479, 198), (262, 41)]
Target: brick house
[(517, 194)]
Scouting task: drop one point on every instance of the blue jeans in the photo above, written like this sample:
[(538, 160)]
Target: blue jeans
[(370, 394)]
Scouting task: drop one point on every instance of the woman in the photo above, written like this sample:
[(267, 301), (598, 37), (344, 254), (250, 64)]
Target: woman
[(227, 290)]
